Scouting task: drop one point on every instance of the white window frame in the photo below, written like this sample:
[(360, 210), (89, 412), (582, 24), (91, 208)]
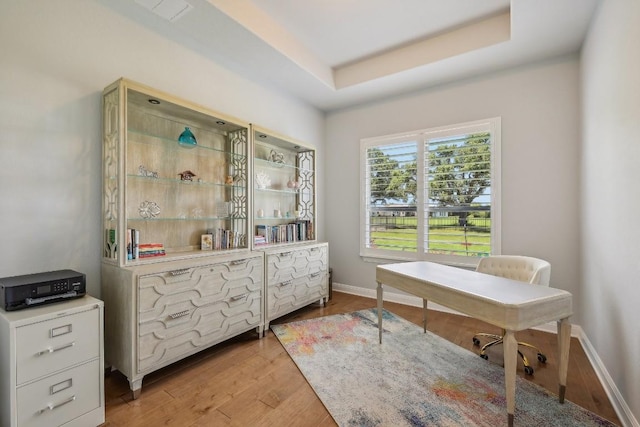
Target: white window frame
[(492, 125)]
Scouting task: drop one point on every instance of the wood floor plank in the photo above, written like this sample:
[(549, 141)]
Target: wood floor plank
[(250, 381)]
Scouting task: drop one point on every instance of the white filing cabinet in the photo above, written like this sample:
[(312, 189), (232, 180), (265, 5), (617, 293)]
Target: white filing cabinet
[(52, 365)]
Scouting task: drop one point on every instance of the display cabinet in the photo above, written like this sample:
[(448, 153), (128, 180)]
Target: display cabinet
[(284, 196), (174, 177), (178, 274), (284, 217)]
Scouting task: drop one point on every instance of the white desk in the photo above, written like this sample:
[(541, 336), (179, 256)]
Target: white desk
[(508, 304)]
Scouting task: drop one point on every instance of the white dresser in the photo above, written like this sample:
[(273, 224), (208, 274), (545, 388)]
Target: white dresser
[(160, 313), (52, 366)]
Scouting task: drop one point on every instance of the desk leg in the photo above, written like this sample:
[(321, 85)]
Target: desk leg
[(564, 341), (424, 315), (379, 292), (510, 349)]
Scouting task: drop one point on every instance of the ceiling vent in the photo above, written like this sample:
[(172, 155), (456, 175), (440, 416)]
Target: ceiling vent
[(170, 10)]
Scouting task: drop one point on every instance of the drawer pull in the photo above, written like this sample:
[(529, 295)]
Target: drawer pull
[(179, 272), (285, 253), (287, 283), (315, 249), (179, 314), (314, 275), (239, 297), (51, 406), (61, 330), (52, 350), (239, 261)]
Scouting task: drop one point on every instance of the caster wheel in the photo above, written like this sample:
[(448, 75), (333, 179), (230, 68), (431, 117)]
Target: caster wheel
[(476, 341), (484, 356), (528, 370), (542, 358)]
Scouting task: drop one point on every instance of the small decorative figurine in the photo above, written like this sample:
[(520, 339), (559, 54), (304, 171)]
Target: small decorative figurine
[(276, 157), (229, 179), (187, 139), (262, 180), (187, 175), (142, 171), (149, 209), (294, 185)]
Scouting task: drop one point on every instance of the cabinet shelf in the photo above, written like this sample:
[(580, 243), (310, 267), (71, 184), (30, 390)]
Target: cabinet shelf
[(284, 191), (140, 137), (176, 181), (203, 218), (268, 164)]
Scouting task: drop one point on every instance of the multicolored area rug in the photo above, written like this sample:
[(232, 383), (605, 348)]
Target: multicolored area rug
[(413, 378)]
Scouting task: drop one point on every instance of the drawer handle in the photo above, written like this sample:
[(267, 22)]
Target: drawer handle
[(238, 261), (61, 330), (314, 275), (52, 350), (51, 406), (287, 283), (179, 314), (239, 297), (285, 253), (315, 249), (179, 272)]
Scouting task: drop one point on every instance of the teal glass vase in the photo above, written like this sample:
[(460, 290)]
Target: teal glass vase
[(187, 139)]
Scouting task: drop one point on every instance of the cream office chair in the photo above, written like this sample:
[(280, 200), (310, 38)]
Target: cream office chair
[(525, 269)]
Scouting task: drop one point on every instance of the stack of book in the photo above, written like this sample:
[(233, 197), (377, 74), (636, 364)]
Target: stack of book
[(148, 250)]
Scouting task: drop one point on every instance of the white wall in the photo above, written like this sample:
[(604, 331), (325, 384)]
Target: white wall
[(57, 56), (539, 106), (610, 198)]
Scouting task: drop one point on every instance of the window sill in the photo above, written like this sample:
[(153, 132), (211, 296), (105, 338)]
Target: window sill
[(470, 265)]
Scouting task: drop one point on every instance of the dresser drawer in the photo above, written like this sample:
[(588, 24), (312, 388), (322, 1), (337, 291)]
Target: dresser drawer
[(172, 292), (56, 344), (60, 398), (295, 264), (288, 295)]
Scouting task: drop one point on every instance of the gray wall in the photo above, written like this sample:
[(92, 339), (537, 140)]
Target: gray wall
[(56, 59), (609, 185), (539, 107)]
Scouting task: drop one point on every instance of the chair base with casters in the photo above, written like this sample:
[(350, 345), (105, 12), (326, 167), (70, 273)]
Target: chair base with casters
[(521, 268), (497, 340)]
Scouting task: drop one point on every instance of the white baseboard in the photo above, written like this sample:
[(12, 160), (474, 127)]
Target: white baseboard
[(619, 404), (617, 401)]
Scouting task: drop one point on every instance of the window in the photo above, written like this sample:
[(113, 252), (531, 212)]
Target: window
[(432, 194)]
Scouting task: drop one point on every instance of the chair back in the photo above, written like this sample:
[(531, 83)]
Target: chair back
[(515, 267)]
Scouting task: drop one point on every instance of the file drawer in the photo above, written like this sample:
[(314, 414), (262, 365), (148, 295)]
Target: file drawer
[(60, 398), (45, 347)]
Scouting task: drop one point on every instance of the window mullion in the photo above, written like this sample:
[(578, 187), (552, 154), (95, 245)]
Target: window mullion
[(422, 195)]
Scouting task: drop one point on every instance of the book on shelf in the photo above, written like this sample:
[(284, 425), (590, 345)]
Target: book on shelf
[(292, 232), (133, 237), (225, 239)]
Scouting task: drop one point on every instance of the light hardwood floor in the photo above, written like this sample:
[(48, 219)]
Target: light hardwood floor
[(248, 381)]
